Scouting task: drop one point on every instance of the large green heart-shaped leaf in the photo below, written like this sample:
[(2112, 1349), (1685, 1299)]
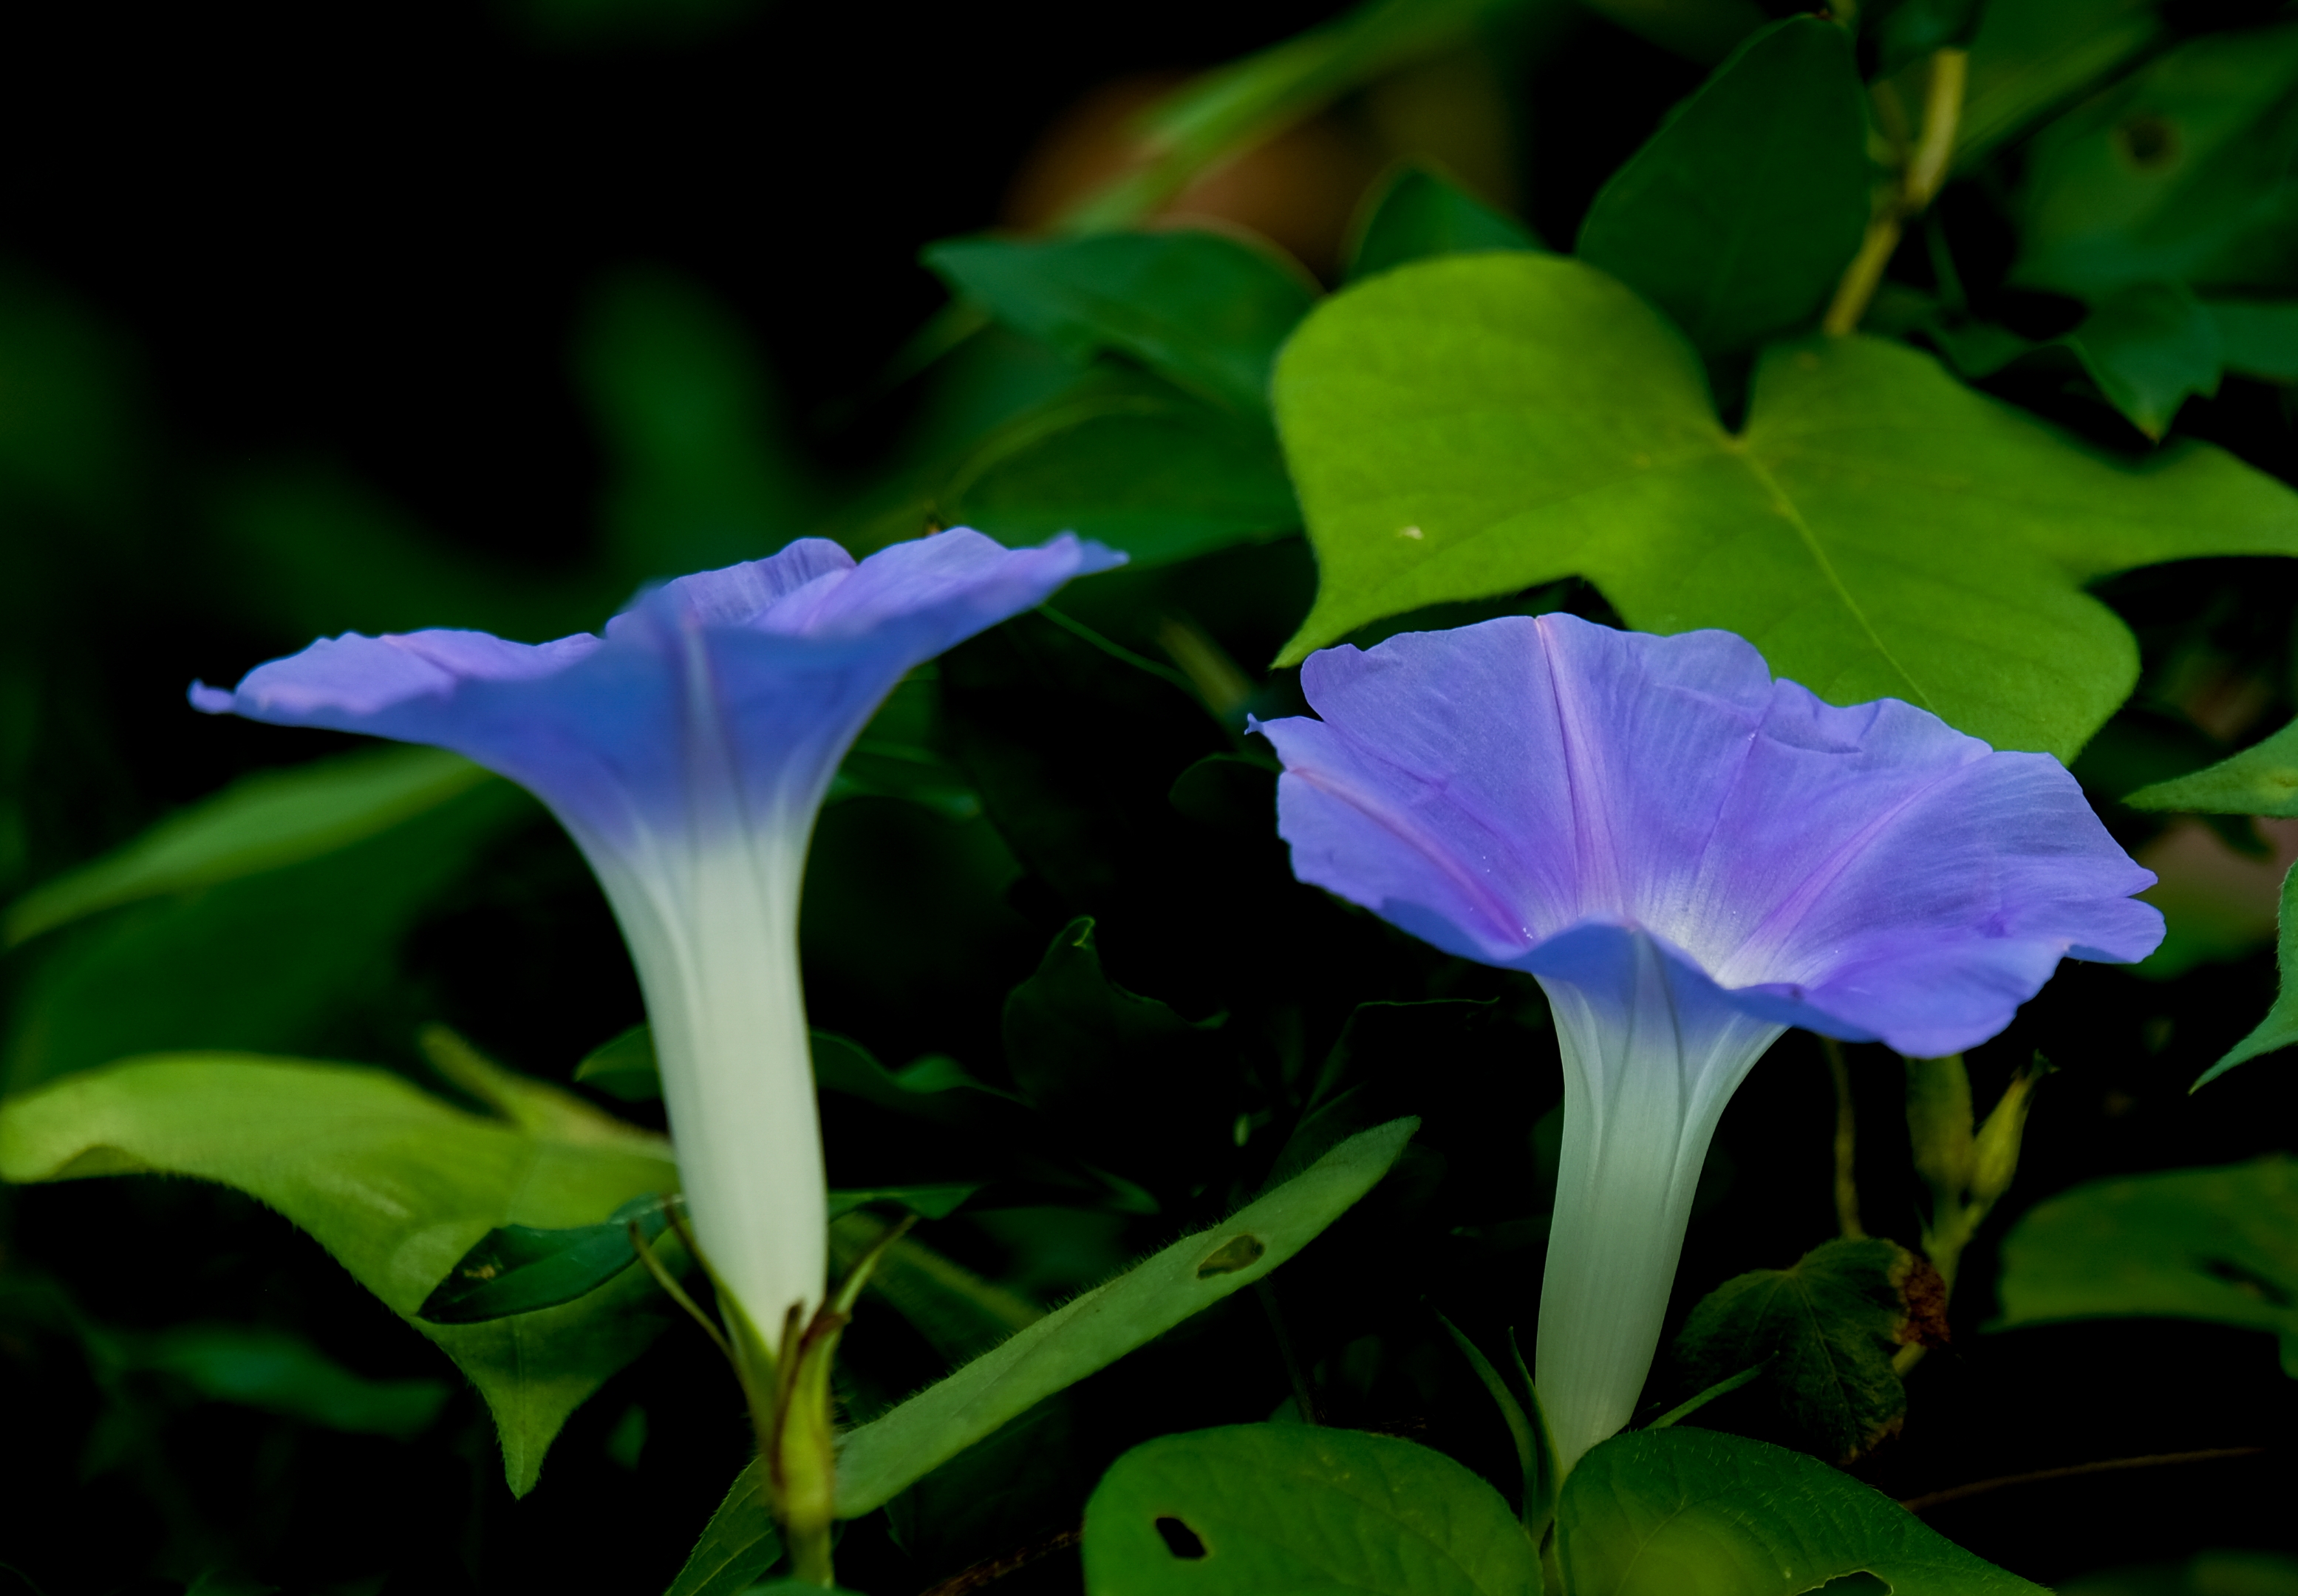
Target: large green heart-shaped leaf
[(1477, 426), (1690, 1512), (1306, 1510), (397, 1184)]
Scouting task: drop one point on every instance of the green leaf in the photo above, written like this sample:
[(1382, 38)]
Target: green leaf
[(2031, 57), (1692, 1512), (314, 550), (1232, 108), (2148, 347), (2259, 338), (258, 1367), (71, 436), (520, 1268), (1309, 1511), (624, 1066), (2279, 1028), (2261, 779), (260, 823), (1739, 215), (896, 755), (1535, 1450), (1094, 1330), (2216, 1244), (1419, 214), (2163, 175), (396, 1183), (703, 473), (1905, 32), (960, 1314), (271, 961), (737, 1546), (1116, 1071), (1131, 462), (1481, 425), (1823, 1334), (1198, 309)]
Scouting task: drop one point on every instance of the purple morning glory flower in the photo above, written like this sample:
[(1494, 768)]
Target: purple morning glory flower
[(688, 750), (1690, 857)]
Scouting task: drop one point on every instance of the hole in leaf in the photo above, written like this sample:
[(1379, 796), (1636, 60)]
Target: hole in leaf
[(1231, 1255), (1180, 1539), (2149, 141)]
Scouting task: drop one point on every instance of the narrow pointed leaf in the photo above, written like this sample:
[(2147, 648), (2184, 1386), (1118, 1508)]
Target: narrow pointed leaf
[(2261, 779), (259, 823), (1095, 1331)]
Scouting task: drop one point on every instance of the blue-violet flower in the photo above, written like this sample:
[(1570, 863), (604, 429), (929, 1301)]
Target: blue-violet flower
[(688, 750), (1690, 857)]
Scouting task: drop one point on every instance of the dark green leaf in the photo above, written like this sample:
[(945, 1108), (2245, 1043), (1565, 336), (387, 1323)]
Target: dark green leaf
[(520, 1268), (958, 1312), (1905, 31), (1691, 1512), (262, 961), (737, 1546), (71, 435), (1094, 1330), (702, 474), (1484, 424), (896, 755), (1029, 1480), (2032, 57), (2258, 338), (260, 823), (1823, 1334), (2148, 347), (2172, 170), (1419, 214), (936, 1202), (2279, 1028), (2219, 1246), (314, 550), (395, 1183), (624, 1066), (1130, 462), (1197, 308), (1254, 1509), (276, 1372), (1232, 108), (1113, 1068), (1739, 215)]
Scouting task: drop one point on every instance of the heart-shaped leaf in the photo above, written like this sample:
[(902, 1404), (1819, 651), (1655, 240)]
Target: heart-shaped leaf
[(1258, 1507), (1690, 1512), (1479, 425)]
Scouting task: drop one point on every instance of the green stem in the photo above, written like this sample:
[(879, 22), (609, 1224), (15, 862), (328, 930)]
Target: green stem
[(1920, 180), (1847, 1141)]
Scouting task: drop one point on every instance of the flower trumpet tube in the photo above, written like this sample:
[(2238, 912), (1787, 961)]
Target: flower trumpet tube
[(687, 750), (1690, 857)]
